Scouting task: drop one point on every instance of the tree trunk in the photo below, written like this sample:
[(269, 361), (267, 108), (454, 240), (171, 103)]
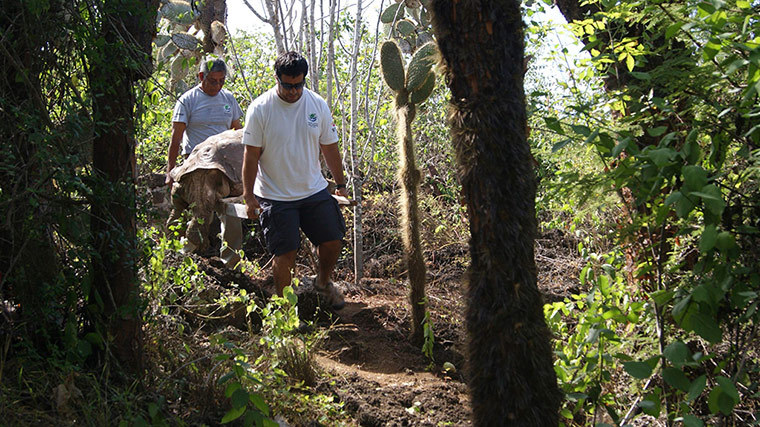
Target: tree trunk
[(511, 377), (115, 285), (355, 174), (212, 10)]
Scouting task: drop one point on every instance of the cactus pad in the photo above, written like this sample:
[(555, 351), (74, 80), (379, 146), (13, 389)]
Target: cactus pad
[(424, 91), (392, 65), (389, 14), (405, 27), (186, 41), (420, 66)]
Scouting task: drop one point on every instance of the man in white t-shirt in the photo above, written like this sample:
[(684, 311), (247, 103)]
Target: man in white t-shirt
[(203, 111), (286, 128)]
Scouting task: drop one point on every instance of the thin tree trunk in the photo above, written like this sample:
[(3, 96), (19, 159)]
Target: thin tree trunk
[(330, 55), (212, 10), (511, 377), (355, 174)]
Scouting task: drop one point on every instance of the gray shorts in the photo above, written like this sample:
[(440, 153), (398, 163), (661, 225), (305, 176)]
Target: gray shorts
[(317, 215)]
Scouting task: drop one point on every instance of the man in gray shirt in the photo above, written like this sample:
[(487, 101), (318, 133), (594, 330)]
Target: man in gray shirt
[(203, 111)]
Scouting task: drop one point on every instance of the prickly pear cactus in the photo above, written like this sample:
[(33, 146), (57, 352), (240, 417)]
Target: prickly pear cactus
[(392, 65)]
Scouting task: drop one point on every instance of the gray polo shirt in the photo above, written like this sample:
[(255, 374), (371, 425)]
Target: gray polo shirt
[(204, 115)]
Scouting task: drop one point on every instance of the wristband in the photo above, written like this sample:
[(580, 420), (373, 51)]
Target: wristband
[(339, 186)]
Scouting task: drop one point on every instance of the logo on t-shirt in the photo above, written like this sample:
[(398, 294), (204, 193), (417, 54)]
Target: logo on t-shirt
[(227, 108), (312, 120)]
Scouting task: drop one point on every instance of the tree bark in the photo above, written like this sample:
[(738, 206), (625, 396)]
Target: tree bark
[(115, 285), (511, 377)]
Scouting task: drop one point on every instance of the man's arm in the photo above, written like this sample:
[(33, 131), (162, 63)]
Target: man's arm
[(335, 164), (250, 169), (236, 125), (178, 129)]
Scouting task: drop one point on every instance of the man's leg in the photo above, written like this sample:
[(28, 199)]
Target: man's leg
[(328, 256), (282, 268)]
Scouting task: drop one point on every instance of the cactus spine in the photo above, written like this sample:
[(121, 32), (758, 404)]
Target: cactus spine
[(398, 80)]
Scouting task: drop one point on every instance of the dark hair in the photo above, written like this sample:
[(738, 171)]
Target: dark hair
[(209, 65), (291, 64)]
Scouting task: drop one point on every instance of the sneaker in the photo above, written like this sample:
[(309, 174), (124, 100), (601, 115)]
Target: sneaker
[(332, 295)]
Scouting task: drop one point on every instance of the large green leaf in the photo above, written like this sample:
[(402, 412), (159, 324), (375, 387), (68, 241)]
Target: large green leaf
[(676, 378), (696, 388), (677, 353), (709, 238), (694, 177), (640, 370), (706, 326)]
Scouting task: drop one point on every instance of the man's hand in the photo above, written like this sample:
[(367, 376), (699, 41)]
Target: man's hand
[(169, 181), (341, 192), (252, 207)]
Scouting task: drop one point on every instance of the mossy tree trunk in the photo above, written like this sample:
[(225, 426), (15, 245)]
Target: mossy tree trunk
[(511, 377)]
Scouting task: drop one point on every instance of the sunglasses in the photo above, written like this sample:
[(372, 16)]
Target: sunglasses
[(289, 86)]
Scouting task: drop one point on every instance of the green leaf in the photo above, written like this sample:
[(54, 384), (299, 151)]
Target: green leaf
[(232, 388), (651, 404), (641, 75), (728, 388), (692, 421), (259, 403), (659, 130), (640, 370), (662, 297), (233, 414), (621, 145), (630, 62), (696, 388), (706, 327), (676, 378), (661, 156), (239, 398), (684, 206), (677, 353), (554, 124), (560, 145), (673, 29), (581, 130), (695, 177), (709, 238), (725, 241), (712, 198)]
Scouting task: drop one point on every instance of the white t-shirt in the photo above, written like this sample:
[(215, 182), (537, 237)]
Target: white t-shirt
[(204, 115), (289, 136)]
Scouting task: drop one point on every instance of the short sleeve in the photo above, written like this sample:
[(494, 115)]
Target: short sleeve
[(237, 112), (253, 130), (328, 133), (181, 109)]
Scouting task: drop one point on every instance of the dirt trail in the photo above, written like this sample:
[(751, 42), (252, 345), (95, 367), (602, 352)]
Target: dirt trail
[(382, 378)]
